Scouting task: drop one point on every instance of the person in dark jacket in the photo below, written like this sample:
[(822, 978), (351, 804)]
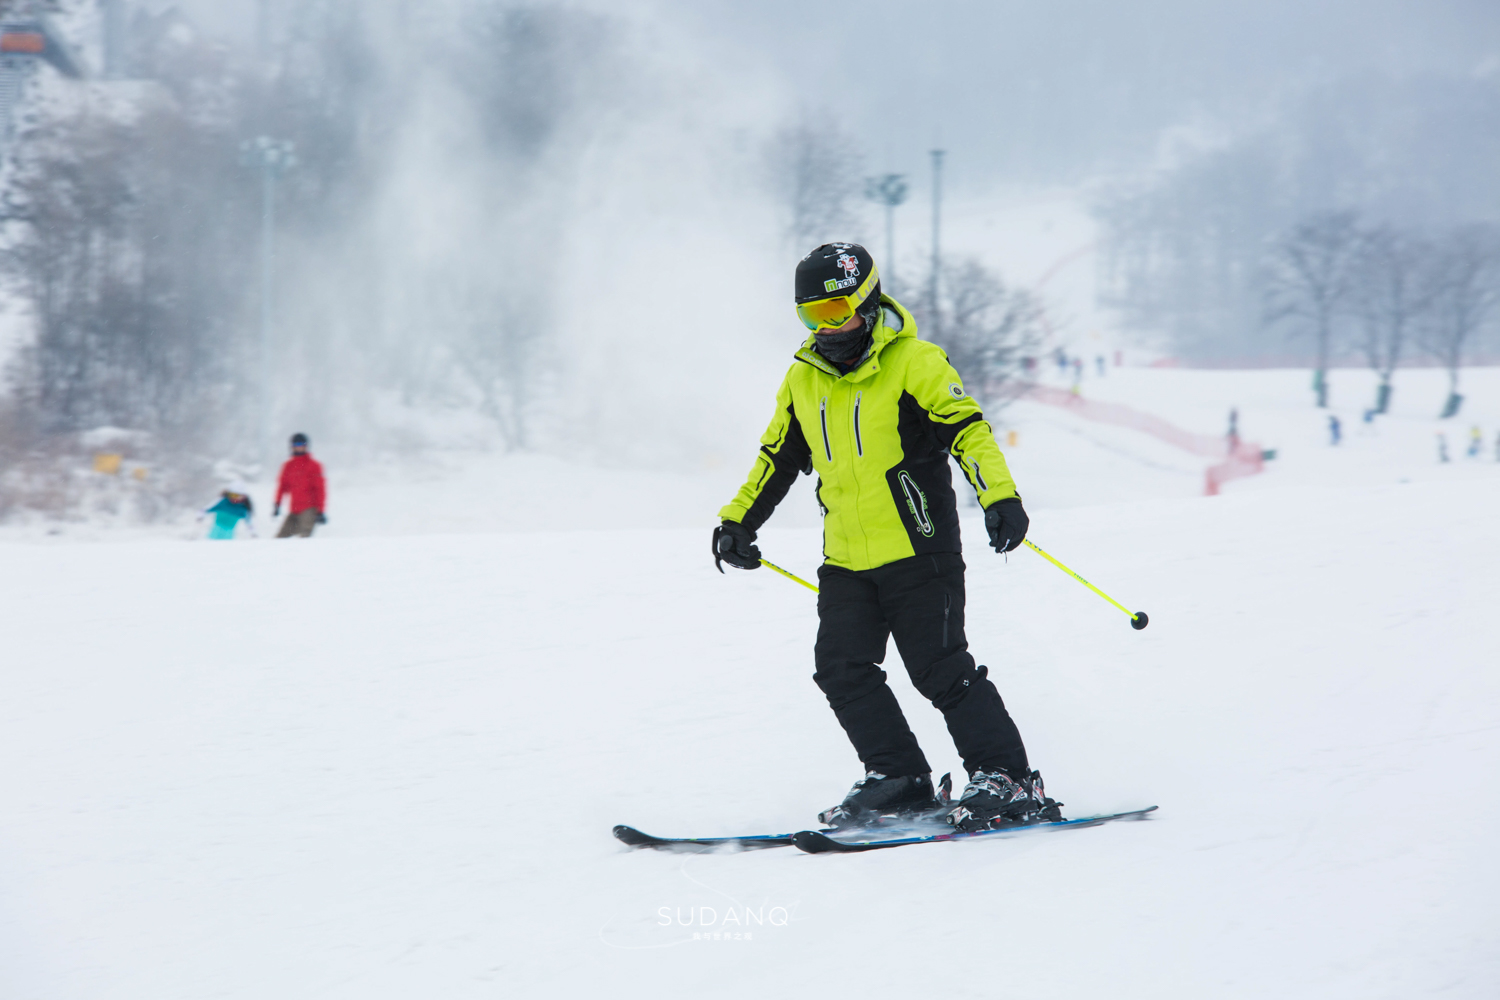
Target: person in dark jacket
[(302, 483)]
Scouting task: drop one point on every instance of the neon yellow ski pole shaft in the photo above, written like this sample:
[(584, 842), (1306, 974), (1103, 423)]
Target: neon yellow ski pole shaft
[(790, 576), (1138, 619)]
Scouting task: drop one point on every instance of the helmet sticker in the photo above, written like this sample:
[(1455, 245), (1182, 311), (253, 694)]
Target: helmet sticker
[(850, 264)]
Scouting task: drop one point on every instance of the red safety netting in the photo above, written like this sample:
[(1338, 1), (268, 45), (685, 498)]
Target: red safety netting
[(1243, 459)]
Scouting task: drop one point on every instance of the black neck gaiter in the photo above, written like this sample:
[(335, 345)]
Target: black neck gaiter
[(844, 348)]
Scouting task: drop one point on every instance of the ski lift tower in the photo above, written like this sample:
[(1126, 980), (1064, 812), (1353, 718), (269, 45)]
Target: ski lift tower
[(888, 190), (28, 38)]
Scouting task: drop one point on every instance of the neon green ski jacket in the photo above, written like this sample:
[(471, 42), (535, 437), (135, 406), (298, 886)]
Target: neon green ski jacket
[(879, 439)]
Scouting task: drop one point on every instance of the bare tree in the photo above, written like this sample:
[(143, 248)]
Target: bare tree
[(1307, 281), (496, 349), (1465, 288), (816, 170), (1392, 291), (986, 327)]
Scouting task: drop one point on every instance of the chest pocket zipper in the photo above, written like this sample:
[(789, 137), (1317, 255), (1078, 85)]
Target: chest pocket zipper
[(823, 419), (859, 445)]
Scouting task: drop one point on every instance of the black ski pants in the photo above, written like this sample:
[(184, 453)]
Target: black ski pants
[(919, 601)]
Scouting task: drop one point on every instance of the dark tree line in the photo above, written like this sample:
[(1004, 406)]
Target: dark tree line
[(1184, 250), (1386, 293), (132, 230)]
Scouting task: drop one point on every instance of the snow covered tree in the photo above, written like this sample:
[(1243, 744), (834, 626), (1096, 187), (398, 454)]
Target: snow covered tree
[(135, 299)]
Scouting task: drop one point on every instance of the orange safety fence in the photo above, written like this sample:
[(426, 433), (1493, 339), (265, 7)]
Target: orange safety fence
[(1243, 459)]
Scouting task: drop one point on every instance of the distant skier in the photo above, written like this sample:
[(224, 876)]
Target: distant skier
[(1335, 430), (1476, 441), (1234, 429), (302, 482), (1099, 364), (1442, 441), (877, 413), (232, 507)]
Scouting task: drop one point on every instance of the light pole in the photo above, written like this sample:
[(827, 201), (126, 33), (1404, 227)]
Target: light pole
[(937, 255), (273, 157), (890, 191)]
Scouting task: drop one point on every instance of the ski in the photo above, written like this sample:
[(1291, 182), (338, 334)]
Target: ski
[(694, 845), (754, 842), (814, 842), (635, 838)]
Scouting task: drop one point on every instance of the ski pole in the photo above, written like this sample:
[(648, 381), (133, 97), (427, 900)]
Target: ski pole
[(790, 576), (1138, 619)]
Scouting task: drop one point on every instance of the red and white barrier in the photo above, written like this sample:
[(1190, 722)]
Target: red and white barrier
[(1244, 459)]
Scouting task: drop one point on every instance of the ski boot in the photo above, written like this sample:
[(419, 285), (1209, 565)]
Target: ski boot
[(994, 799), (876, 796)]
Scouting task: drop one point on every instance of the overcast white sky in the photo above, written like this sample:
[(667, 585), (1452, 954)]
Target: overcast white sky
[(1035, 91)]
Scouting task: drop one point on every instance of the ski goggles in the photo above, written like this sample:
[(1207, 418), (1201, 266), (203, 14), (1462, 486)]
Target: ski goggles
[(832, 313)]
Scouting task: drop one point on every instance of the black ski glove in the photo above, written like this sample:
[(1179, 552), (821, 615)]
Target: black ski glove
[(276, 511), (1006, 521), (322, 517), (735, 544)]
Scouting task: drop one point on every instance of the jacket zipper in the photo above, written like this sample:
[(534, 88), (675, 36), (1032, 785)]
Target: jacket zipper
[(947, 606), (859, 445), (823, 418)]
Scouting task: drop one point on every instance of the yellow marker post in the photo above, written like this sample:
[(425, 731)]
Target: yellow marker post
[(1138, 619), (790, 576)]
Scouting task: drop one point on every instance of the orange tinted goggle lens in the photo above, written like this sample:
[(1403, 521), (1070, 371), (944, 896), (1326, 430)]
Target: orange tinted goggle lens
[(826, 313)]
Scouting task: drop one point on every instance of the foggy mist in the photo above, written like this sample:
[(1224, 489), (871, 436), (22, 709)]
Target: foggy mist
[(563, 227)]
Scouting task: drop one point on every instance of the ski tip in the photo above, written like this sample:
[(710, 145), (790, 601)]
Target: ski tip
[(630, 835), (813, 842)]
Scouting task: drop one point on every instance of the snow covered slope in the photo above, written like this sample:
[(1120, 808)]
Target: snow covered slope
[(382, 765)]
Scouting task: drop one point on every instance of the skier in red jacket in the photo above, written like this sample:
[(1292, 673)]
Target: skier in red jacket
[(302, 481)]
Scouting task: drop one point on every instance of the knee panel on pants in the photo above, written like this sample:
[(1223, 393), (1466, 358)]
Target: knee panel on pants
[(844, 682), (948, 681)]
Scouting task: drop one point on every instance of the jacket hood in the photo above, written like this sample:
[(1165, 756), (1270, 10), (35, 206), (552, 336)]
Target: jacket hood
[(895, 322)]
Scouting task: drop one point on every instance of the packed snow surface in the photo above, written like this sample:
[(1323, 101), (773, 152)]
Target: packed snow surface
[(385, 762)]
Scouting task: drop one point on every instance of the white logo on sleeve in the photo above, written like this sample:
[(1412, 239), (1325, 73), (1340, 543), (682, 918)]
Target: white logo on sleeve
[(957, 390)]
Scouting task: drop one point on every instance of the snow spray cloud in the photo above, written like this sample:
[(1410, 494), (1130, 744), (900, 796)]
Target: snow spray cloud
[(555, 238)]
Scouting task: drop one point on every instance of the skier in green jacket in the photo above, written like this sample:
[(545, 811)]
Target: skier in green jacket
[(877, 413)]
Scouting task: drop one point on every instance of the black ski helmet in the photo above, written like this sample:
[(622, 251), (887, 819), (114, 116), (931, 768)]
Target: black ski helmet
[(299, 438), (840, 269)]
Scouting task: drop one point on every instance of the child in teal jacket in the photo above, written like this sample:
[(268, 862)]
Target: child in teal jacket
[(233, 507)]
